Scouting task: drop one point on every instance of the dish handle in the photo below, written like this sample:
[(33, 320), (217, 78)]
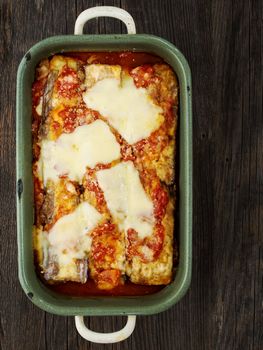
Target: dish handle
[(104, 11), (126, 18), (105, 338)]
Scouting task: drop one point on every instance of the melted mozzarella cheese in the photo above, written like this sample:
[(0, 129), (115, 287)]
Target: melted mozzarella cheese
[(126, 198), (128, 109), (96, 72), (68, 238), (70, 154), (147, 253), (39, 107)]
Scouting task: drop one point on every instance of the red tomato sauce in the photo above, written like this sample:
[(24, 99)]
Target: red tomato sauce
[(126, 59), (104, 228), (37, 91), (68, 83), (90, 289), (144, 76)]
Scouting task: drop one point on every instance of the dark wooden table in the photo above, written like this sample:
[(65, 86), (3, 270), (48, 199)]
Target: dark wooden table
[(222, 40)]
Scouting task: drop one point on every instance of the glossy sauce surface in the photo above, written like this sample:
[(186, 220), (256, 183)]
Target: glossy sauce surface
[(90, 289), (126, 59)]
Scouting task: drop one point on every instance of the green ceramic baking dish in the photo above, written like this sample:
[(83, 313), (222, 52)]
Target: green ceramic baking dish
[(33, 287)]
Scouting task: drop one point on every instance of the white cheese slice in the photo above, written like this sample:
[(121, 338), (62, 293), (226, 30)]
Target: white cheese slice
[(126, 199), (70, 154), (128, 109), (69, 238)]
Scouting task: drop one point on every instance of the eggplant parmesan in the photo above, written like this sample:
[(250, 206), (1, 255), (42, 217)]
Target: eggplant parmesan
[(104, 136)]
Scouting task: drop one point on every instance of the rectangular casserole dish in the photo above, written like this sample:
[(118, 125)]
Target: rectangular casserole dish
[(33, 287)]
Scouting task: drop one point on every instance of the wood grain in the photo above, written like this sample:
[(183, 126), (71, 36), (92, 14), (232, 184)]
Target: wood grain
[(223, 42)]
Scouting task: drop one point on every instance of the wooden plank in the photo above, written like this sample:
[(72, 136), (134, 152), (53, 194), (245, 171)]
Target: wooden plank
[(17, 312), (188, 25), (256, 165), (238, 180), (227, 127)]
